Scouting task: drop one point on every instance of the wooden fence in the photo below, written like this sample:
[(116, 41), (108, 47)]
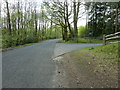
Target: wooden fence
[(115, 37)]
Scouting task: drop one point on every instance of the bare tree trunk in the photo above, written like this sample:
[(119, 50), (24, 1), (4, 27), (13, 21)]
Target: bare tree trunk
[(116, 28), (75, 20), (9, 25), (67, 19), (63, 37), (65, 25), (35, 22), (8, 19), (51, 23), (76, 6), (18, 15)]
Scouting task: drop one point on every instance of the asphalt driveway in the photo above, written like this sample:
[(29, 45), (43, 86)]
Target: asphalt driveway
[(32, 66)]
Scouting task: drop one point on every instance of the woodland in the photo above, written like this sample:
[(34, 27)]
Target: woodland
[(25, 22)]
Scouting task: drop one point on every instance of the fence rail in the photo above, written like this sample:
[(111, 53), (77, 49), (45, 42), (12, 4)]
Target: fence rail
[(115, 36)]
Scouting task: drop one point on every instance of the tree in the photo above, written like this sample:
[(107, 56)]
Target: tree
[(8, 19), (103, 18), (76, 12)]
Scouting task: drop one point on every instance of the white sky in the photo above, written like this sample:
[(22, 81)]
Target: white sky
[(82, 21)]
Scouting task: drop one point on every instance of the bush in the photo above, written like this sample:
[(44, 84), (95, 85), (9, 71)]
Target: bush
[(82, 31)]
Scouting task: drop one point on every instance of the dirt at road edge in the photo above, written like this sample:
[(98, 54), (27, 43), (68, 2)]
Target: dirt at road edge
[(73, 74)]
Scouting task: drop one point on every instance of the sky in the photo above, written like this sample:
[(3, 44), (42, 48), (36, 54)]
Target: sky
[(82, 22)]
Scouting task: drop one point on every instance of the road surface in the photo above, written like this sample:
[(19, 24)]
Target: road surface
[(33, 66)]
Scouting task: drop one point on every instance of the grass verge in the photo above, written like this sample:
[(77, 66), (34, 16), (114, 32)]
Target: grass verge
[(24, 45), (105, 57), (82, 40), (98, 65), (100, 60)]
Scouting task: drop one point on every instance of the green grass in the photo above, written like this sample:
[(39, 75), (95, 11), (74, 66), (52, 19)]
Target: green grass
[(83, 40), (107, 49), (105, 57), (0, 41), (23, 45), (29, 44)]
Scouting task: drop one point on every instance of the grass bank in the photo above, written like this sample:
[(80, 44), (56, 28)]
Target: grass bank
[(24, 45), (105, 56), (83, 40), (101, 61)]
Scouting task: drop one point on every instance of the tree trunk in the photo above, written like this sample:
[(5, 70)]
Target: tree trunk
[(75, 22), (35, 23), (8, 19), (51, 23), (67, 19), (18, 16), (63, 37), (116, 28), (65, 25)]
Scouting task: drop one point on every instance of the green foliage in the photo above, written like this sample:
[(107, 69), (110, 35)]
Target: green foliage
[(103, 18), (109, 49), (53, 33), (82, 31), (23, 36), (25, 24)]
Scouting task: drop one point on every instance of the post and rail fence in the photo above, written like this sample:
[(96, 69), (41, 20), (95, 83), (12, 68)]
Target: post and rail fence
[(115, 36)]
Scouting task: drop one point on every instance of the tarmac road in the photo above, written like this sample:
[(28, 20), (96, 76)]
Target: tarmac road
[(32, 66)]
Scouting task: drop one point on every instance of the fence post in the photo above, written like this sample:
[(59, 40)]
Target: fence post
[(104, 40)]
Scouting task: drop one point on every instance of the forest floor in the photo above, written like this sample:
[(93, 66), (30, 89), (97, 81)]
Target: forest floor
[(88, 68)]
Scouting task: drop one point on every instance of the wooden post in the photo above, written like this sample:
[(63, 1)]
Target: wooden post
[(104, 40)]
